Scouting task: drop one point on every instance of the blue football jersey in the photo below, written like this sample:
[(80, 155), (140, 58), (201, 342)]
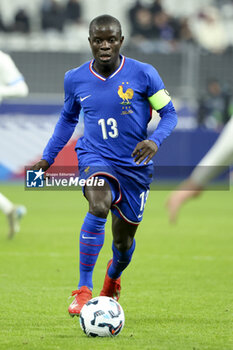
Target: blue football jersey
[(116, 109)]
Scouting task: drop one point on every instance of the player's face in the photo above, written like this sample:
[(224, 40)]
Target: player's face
[(105, 42)]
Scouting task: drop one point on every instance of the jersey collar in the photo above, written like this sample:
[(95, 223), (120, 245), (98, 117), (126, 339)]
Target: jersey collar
[(112, 75)]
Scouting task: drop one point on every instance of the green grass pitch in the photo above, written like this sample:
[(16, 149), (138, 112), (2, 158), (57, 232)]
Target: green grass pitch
[(177, 293)]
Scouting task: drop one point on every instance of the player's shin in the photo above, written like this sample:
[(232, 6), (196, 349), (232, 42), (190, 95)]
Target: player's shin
[(120, 261), (91, 242)]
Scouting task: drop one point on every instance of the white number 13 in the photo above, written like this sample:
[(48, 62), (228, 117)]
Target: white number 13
[(113, 123)]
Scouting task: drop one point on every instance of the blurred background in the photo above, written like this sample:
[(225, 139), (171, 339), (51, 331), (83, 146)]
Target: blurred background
[(190, 42)]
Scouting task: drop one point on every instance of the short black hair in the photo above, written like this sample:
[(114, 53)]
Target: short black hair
[(104, 20)]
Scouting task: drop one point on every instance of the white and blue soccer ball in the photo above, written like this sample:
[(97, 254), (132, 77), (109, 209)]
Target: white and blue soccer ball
[(102, 317)]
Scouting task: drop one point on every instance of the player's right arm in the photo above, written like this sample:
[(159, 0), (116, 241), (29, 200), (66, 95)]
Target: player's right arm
[(64, 128)]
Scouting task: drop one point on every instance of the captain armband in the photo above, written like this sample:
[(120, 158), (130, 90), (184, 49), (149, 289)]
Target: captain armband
[(160, 99)]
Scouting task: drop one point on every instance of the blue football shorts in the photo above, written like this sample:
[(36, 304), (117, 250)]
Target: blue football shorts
[(129, 185)]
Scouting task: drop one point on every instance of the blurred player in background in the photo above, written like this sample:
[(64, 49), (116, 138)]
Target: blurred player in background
[(215, 108), (116, 94), (12, 84), (215, 161)]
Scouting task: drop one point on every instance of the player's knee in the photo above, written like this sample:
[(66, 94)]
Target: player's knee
[(122, 245), (99, 208)]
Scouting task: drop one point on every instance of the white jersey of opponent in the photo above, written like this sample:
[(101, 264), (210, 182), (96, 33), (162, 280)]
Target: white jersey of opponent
[(220, 155), (12, 82)]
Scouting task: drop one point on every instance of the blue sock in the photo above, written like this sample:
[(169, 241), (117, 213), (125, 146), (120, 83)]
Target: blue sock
[(120, 261), (91, 242)]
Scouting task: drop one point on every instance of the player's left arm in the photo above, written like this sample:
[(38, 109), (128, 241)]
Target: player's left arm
[(161, 102)]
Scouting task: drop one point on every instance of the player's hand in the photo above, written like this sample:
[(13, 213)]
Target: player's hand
[(144, 150), (42, 164)]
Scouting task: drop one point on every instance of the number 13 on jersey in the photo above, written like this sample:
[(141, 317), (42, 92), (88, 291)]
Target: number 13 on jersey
[(111, 131)]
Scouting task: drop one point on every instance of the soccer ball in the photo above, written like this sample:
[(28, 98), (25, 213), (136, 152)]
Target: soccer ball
[(102, 317)]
